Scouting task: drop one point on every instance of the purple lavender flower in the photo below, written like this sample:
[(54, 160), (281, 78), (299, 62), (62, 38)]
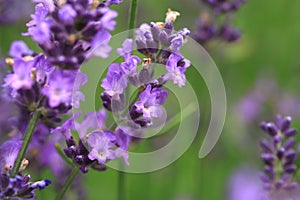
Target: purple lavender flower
[(21, 78), (18, 186), (158, 41), (71, 32), (176, 66), (126, 49), (115, 81), (96, 145), (101, 147), (279, 156), (219, 28), (205, 31), (8, 153), (59, 89), (149, 106), (19, 49)]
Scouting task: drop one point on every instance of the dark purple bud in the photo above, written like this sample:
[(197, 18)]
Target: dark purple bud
[(26, 179), (290, 156), (71, 142), (279, 184), (290, 132), (264, 178), (277, 139), (263, 126), (269, 170), (286, 124), (267, 158), (79, 159), (289, 144), (290, 169), (266, 146), (4, 179), (106, 101), (84, 169), (271, 129), (68, 152), (280, 153), (291, 186)]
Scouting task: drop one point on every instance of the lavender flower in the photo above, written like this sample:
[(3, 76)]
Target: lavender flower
[(219, 28), (160, 43), (96, 145), (18, 186), (34, 82), (279, 156), (68, 32), (224, 6)]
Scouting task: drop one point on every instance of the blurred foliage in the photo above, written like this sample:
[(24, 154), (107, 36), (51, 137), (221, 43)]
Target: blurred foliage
[(270, 44)]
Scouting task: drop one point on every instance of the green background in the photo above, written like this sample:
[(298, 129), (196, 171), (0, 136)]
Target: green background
[(270, 47)]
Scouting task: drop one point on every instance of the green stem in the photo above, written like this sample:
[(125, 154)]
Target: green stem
[(121, 186), (26, 140), (67, 184), (132, 18)]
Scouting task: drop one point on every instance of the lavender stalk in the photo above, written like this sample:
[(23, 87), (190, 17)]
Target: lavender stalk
[(67, 184), (27, 138)]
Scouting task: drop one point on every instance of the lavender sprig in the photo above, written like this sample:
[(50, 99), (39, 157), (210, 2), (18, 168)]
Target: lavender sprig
[(279, 155), (16, 185), (67, 31)]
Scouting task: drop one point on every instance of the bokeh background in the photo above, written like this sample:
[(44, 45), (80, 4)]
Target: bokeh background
[(264, 62)]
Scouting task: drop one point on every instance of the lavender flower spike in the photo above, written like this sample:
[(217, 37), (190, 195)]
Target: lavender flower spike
[(279, 156)]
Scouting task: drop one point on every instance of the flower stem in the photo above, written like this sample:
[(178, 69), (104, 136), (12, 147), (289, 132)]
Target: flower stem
[(132, 18), (67, 184), (121, 186), (26, 140)]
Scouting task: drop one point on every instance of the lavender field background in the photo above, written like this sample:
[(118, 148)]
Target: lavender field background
[(261, 75)]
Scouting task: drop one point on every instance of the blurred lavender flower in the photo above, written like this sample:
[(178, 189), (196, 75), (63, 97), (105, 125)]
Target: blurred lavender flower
[(244, 184), (264, 100), (224, 6), (217, 26), (12, 11), (71, 31), (279, 155)]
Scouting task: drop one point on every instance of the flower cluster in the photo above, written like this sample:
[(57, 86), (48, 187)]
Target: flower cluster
[(18, 186), (161, 44), (279, 156), (35, 83), (96, 144), (209, 28), (67, 31)]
